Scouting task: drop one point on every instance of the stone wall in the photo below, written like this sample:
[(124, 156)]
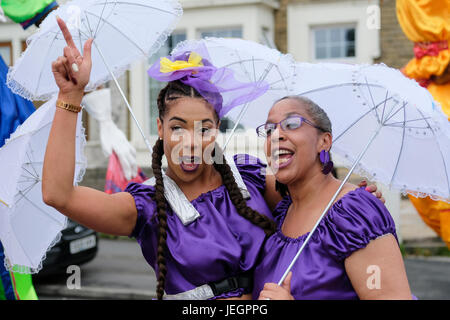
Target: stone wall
[(396, 48), (281, 26)]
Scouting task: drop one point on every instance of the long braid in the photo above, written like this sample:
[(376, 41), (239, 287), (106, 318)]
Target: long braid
[(170, 92), (238, 200), (160, 200)]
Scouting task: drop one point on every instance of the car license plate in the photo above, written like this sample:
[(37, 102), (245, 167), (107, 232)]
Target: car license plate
[(82, 244)]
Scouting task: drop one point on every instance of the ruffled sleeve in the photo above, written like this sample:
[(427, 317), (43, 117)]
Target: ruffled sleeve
[(355, 220), (146, 207), (281, 209), (252, 170)]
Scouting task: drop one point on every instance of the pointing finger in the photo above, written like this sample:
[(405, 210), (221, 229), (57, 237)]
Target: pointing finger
[(67, 36)]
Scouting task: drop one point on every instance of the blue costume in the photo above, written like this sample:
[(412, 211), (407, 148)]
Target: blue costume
[(14, 110)]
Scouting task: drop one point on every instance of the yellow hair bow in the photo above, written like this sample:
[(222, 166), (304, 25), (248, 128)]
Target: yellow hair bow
[(166, 66)]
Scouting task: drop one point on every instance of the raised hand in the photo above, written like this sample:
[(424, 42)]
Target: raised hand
[(72, 71)]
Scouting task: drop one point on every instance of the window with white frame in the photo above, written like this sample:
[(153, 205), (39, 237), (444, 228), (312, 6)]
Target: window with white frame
[(156, 86), (227, 32), (334, 42)]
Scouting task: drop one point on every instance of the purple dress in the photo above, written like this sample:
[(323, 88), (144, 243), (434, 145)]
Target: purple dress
[(319, 273), (218, 245)]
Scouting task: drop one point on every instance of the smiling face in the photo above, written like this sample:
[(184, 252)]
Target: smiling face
[(188, 128), (294, 154)]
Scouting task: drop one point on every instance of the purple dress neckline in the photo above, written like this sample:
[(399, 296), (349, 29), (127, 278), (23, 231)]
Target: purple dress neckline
[(217, 245), (285, 203), (350, 224)]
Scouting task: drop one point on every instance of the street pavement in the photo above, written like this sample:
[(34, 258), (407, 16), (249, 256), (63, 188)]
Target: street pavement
[(119, 271), (429, 277)]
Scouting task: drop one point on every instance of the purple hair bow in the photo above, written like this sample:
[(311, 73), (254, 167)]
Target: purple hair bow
[(217, 85)]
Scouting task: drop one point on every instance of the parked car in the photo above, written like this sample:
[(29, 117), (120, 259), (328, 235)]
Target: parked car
[(77, 246)]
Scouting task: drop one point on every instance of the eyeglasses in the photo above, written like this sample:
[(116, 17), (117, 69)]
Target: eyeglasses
[(290, 123)]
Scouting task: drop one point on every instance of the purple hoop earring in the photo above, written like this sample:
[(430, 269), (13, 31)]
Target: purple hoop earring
[(327, 163)]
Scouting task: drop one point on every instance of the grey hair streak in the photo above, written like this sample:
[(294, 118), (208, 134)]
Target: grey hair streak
[(317, 114)]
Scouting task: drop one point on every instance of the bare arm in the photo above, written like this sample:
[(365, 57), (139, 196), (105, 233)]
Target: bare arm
[(377, 271), (272, 196), (114, 214)]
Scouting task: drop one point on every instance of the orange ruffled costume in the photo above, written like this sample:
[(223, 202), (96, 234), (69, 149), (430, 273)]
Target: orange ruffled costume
[(427, 24)]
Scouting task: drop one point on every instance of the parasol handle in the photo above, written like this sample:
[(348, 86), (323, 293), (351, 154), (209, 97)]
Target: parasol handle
[(330, 203)]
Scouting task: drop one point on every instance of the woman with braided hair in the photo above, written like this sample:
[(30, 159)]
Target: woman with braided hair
[(202, 223), (228, 234)]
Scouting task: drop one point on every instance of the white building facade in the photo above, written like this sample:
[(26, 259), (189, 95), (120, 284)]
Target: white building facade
[(334, 31)]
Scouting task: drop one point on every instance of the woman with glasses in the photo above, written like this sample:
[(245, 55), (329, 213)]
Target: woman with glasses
[(354, 252)]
